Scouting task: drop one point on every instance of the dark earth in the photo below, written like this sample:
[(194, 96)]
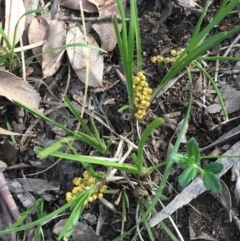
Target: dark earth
[(164, 25)]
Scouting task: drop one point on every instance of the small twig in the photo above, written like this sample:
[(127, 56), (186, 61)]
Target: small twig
[(231, 45), (7, 197), (94, 19)]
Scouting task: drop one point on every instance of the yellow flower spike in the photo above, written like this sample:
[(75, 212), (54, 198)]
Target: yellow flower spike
[(137, 115), (77, 181), (86, 175), (94, 196), (143, 78), (138, 94), (147, 104), (149, 91), (68, 198), (136, 99), (139, 88), (173, 52), (154, 59), (75, 190), (145, 92), (143, 102), (91, 180), (143, 83), (90, 199), (166, 60), (136, 79), (140, 112), (140, 74), (159, 59), (147, 98), (100, 195)]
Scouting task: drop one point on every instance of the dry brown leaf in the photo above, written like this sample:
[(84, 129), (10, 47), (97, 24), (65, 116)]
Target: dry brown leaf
[(15, 89), (81, 231), (14, 10), (36, 33), (105, 29), (56, 37), (73, 4), (77, 57)]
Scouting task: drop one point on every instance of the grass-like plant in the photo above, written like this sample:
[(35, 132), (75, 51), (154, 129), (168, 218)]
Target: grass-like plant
[(7, 56), (128, 41)]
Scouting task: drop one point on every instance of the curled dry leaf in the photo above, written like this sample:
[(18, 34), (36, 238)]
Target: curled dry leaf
[(15, 89), (36, 33), (105, 29), (14, 10), (51, 60), (77, 57), (75, 5)]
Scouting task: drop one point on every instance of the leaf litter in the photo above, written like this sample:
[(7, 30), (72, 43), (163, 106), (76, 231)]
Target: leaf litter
[(77, 57), (56, 37), (108, 43)]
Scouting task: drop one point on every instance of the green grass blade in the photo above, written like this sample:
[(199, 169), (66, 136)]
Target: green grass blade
[(81, 136), (147, 131), (108, 162), (199, 23), (138, 39), (5, 38), (55, 146), (39, 221), (187, 57), (74, 217), (78, 117), (39, 10)]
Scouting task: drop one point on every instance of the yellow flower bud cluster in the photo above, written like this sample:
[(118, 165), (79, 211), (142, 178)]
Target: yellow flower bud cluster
[(167, 60), (81, 184), (142, 95)]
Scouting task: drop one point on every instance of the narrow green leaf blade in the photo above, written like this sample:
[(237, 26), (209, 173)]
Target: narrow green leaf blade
[(147, 131), (211, 182), (214, 167)]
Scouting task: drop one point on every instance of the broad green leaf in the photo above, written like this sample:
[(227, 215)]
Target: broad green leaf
[(181, 160), (214, 167), (211, 182), (193, 150), (187, 176)]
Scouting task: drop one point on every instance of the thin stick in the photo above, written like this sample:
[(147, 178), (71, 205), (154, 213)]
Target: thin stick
[(7, 197)]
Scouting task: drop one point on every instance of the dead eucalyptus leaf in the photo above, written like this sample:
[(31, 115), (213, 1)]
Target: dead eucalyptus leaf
[(81, 231), (105, 29), (51, 61), (15, 89), (77, 57), (75, 5), (37, 32), (14, 10)]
